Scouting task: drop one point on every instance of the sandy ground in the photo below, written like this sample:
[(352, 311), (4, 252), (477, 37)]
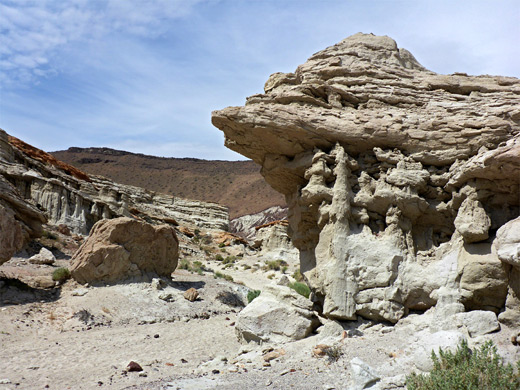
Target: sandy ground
[(72, 337)]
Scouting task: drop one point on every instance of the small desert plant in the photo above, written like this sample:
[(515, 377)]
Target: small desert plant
[(333, 353), (229, 260), (481, 369), (284, 269), (270, 276), (252, 295), (61, 275), (301, 288), (221, 245), (218, 274), (297, 275), (246, 266), (275, 265), (184, 264), (219, 257)]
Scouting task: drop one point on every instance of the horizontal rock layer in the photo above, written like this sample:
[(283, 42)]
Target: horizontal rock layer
[(42, 186), (396, 178)]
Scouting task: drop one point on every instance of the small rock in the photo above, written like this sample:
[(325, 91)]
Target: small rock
[(183, 360), (79, 292), (320, 350), (166, 296), (191, 294), (363, 376), (4, 381), (45, 257), (215, 371), (133, 366), (155, 336), (157, 284), (143, 374), (64, 229)]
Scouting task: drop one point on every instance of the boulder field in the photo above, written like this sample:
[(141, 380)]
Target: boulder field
[(403, 185)]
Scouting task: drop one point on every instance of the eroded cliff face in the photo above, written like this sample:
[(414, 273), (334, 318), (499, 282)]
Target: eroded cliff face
[(396, 178), (47, 189)]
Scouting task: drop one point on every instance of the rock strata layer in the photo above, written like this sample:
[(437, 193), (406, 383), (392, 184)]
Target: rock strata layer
[(396, 178), (39, 188)]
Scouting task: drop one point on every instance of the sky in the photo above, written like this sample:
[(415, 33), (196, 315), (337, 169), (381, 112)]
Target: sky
[(144, 75)]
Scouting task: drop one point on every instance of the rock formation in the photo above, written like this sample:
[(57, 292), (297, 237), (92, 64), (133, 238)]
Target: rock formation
[(19, 220), (278, 314), (397, 178), (273, 241), (122, 248), (37, 186), (246, 224)]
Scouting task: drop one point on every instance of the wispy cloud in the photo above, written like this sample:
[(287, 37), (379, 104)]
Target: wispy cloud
[(146, 74), (34, 31)]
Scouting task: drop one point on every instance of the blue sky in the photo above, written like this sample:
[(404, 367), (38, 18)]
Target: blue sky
[(144, 76)]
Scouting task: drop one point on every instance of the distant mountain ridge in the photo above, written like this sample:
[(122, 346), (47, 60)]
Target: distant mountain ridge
[(235, 184)]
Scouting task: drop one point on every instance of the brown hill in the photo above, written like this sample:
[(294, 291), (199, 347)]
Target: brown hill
[(235, 184)]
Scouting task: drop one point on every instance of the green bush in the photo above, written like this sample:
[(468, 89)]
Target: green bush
[(481, 369), (61, 275), (275, 265), (218, 274), (219, 257), (229, 260), (252, 295), (301, 288), (297, 275), (184, 264)]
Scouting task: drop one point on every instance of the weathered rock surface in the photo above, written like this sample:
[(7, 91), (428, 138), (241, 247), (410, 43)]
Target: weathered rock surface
[(44, 257), (246, 224), (278, 314), (19, 220), (387, 169), (123, 248), (39, 187), (507, 243), (274, 242)]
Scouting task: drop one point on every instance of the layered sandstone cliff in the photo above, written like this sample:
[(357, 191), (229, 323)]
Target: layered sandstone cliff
[(396, 178), (36, 188)]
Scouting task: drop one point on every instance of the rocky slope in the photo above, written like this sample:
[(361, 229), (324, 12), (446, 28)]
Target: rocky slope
[(396, 178), (37, 188), (235, 184)]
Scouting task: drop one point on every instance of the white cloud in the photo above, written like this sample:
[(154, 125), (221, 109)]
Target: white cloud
[(32, 32)]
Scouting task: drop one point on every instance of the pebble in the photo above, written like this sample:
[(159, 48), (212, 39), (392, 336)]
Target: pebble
[(134, 366), (4, 381)]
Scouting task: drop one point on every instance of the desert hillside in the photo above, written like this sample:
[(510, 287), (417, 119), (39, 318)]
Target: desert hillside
[(235, 184)]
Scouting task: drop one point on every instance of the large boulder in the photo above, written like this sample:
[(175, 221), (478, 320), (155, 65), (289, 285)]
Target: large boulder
[(278, 314), (387, 168), (123, 248), (507, 243)]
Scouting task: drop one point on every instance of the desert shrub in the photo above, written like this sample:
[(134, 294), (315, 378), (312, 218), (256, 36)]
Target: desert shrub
[(333, 353), (246, 266), (229, 260), (275, 265), (297, 275), (219, 257), (301, 288), (197, 233), (481, 369), (218, 274), (61, 274), (252, 295), (221, 245), (284, 269), (184, 264)]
